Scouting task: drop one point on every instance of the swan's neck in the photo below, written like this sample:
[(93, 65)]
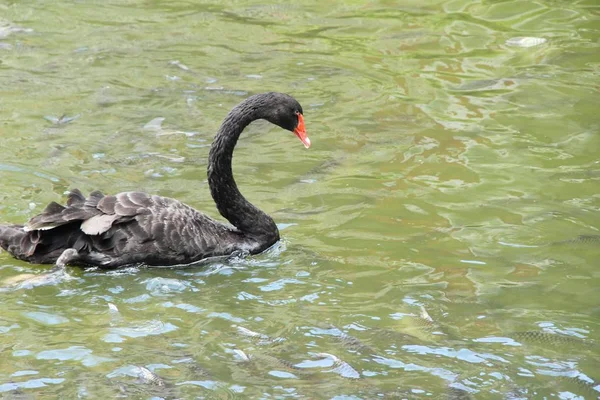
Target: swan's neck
[(248, 219)]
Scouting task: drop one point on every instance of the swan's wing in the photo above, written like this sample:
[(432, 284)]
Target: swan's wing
[(98, 213)]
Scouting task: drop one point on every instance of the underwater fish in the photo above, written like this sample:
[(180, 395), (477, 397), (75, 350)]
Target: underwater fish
[(342, 368), (247, 332), (580, 240), (589, 386), (263, 360), (146, 384), (420, 326), (179, 65), (454, 393), (354, 344), (149, 377), (423, 322), (547, 338), (28, 281), (6, 30), (401, 337), (263, 339), (242, 355), (525, 41), (63, 119), (349, 342), (424, 315), (270, 360)]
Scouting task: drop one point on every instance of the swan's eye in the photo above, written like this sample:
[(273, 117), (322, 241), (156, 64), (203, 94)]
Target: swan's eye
[(297, 112)]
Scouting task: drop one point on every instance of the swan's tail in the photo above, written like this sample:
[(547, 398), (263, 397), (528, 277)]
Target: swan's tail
[(11, 237)]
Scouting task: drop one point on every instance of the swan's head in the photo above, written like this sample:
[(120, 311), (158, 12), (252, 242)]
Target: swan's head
[(283, 110)]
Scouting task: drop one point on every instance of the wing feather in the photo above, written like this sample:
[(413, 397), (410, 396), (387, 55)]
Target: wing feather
[(98, 224), (107, 204), (75, 198), (53, 208)]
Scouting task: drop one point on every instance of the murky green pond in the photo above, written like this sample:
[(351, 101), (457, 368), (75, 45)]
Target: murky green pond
[(452, 170)]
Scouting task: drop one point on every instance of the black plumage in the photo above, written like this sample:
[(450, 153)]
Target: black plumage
[(135, 227)]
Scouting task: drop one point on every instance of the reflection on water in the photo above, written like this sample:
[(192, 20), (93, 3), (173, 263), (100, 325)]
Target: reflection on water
[(454, 169)]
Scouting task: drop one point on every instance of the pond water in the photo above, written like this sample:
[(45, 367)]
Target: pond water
[(454, 172)]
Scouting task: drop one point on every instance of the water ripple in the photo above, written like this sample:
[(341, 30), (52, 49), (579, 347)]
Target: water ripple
[(452, 168)]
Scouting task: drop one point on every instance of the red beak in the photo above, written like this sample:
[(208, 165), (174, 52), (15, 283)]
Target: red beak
[(300, 131)]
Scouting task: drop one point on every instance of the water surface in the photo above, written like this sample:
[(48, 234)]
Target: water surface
[(450, 170)]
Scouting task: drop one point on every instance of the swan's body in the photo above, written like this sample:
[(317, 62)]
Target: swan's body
[(128, 228), (135, 227)]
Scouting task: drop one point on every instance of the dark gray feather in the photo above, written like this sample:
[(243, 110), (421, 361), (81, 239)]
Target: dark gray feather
[(75, 198)]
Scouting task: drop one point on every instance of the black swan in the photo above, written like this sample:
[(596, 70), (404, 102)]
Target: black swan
[(139, 228)]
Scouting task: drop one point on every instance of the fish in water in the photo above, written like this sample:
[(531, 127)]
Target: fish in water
[(525, 41), (589, 386), (28, 281), (423, 314), (247, 332), (6, 30), (354, 344), (401, 338), (350, 342), (546, 338), (263, 339), (63, 119), (267, 360), (454, 393), (143, 375), (147, 376), (421, 326), (342, 368), (424, 322), (242, 355), (580, 240)]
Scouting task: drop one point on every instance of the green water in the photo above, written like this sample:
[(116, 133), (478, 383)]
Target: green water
[(448, 170)]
